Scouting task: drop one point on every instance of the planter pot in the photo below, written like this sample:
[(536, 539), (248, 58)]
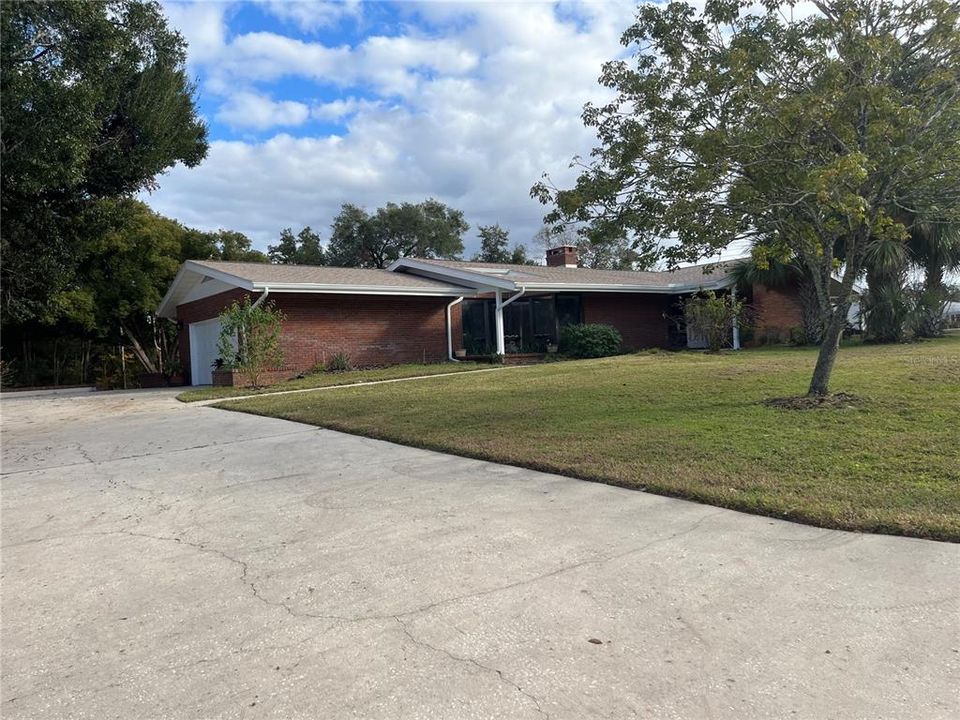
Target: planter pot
[(151, 380)]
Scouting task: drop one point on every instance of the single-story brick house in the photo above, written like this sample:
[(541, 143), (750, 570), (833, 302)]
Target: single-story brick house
[(421, 310)]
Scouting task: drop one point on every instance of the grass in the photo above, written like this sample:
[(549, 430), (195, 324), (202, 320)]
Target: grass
[(694, 426), (329, 379)]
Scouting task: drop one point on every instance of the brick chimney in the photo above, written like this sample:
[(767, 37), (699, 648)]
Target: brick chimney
[(563, 256)]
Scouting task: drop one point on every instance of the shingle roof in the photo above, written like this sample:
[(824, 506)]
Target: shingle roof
[(261, 273), (695, 275), (463, 279)]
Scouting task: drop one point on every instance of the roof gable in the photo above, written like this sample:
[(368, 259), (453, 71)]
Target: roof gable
[(299, 279)]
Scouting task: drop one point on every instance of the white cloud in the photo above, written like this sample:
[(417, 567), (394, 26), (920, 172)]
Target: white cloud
[(315, 14), (341, 108), (388, 65), (203, 25), (471, 115), (259, 112)]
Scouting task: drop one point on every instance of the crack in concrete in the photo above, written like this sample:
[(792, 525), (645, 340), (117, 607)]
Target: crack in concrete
[(160, 451), (552, 573), (473, 662), (256, 592), (242, 564)]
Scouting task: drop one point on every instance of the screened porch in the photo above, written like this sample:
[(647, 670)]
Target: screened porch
[(530, 323)]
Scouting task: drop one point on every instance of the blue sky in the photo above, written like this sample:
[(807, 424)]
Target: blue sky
[(314, 104)]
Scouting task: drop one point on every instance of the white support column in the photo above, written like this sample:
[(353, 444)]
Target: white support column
[(498, 320), (736, 323), (450, 329)]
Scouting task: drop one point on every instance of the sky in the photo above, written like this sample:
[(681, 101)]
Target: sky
[(311, 105)]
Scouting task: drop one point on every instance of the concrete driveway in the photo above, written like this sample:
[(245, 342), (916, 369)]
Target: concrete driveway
[(168, 561)]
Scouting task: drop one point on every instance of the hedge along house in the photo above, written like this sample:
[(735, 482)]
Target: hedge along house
[(420, 310)]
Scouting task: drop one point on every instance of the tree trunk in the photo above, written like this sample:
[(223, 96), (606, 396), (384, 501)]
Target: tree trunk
[(139, 352), (829, 347)]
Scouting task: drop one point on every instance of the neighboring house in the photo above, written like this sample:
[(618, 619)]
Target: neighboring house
[(426, 310), (951, 314)]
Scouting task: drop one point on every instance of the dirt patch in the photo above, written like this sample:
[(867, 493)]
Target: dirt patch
[(812, 402)]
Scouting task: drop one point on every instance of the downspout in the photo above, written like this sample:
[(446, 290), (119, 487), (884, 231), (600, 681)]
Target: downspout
[(513, 297), (450, 329), (266, 291)]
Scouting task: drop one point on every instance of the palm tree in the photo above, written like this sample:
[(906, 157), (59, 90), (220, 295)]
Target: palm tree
[(935, 250), (777, 273), (885, 305)]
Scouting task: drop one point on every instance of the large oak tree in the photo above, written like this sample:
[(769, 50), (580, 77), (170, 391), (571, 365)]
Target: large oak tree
[(816, 135), (95, 104)]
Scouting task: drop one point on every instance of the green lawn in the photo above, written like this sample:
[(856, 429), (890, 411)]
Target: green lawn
[(693, 426), (329, 379)]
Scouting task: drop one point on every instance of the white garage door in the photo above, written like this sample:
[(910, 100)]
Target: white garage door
[(203, 350)]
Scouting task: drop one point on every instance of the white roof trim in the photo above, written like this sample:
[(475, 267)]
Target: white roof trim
[(673, 289), (340, 289), (219, 275), (442, 272), (193, 273)]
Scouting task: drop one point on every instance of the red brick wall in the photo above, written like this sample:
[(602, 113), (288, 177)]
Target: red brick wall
[(639, 318), (371, 329), (776, 312)]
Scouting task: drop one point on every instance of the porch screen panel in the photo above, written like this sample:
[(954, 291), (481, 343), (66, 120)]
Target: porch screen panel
[(569, 310), (476, 327)]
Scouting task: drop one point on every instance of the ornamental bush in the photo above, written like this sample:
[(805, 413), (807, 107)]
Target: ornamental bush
[(339, 362), (589, 341), (250, 339), (712, 316)]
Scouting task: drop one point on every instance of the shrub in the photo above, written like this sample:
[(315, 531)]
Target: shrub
[(339, 362), (250, 338), (798, 336), (7, 373), (590, 341), (712, 316)]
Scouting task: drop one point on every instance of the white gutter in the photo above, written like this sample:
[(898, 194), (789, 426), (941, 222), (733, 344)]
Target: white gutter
[(342, 289), (675, 289), (450, 329)]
